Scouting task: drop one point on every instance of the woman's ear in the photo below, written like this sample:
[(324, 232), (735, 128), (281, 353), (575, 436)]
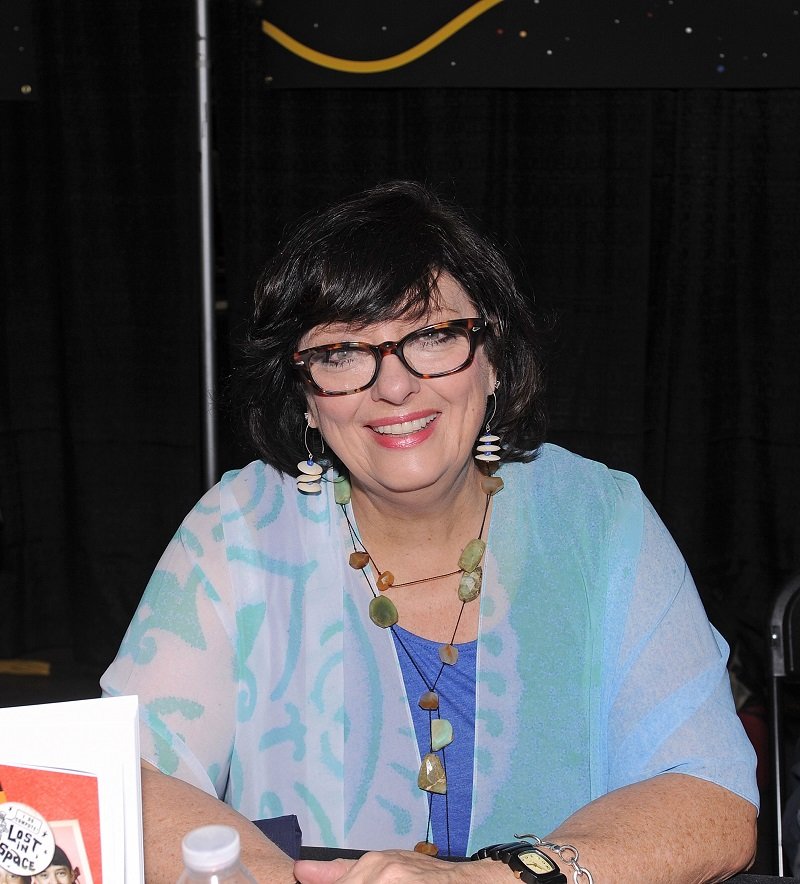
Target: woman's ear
[(493, 383), (311, 417)]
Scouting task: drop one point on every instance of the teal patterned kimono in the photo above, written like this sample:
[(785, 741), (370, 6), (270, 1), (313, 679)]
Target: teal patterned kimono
[(262, 680)]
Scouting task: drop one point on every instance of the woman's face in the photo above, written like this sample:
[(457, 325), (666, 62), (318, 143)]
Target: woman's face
[(364, 429)]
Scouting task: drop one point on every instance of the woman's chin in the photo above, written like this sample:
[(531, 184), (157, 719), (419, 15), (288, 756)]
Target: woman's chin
[(409, 476)]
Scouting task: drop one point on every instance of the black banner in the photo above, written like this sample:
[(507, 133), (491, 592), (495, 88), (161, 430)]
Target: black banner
[(530, 43)]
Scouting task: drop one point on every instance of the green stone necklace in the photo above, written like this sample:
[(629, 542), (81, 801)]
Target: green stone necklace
[(432, 776)]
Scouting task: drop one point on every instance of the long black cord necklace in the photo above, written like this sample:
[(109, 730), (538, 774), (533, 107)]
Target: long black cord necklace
[(432, 776)]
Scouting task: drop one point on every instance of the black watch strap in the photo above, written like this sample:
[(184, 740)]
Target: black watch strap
[(493, 850), (530, 864)]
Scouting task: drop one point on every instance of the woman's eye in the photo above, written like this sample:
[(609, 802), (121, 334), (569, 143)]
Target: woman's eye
[(338, 358), (436, 337)]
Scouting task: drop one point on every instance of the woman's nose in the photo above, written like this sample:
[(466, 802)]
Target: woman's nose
[(395, 382)]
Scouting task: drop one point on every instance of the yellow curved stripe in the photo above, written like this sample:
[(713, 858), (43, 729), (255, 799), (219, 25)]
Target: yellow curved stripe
[(379, 65)]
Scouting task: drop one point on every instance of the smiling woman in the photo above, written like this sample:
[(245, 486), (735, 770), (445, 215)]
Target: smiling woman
[(415, 385), (381, 258), (443, 632)]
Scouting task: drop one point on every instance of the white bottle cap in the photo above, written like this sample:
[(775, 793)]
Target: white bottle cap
[(210, 848)]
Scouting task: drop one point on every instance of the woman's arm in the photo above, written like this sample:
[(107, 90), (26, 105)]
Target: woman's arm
[(671, 829), (171, 808)]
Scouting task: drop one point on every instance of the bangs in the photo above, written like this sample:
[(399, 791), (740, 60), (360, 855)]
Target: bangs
[(363, 297)]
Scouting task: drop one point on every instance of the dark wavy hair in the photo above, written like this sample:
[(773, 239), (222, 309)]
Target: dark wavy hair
[(371, 258)]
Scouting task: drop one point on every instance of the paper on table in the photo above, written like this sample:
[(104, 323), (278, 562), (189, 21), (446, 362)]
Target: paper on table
[(95, 737)]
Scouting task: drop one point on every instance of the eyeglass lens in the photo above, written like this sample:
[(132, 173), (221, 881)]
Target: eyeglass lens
[(433, 351)]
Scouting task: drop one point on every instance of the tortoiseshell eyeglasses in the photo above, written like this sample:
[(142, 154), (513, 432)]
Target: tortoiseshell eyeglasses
[(351, 366)]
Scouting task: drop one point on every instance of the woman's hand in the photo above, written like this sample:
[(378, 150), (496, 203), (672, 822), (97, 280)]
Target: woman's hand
[(399, 867)]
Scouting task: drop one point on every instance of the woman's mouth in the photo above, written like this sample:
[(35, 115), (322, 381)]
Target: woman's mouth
[(405, 428)]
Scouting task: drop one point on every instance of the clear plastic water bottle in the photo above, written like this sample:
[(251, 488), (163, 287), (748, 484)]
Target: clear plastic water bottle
[(211, 855)]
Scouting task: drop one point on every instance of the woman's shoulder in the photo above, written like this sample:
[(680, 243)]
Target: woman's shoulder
[(239, 492), (255, 478), (561, 493), (560, 471)]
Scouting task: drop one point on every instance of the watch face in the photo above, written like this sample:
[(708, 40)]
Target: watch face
[(536, 861), (533, 866)]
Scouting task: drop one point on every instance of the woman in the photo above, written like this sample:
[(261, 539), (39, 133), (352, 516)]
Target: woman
[(410, 657)]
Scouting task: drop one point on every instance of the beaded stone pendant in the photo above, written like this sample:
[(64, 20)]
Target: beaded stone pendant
[(448, 654), (382, 612), (441, 734), (341, 490), (491, 485), (358, 560), (431, 775), (429, 700)]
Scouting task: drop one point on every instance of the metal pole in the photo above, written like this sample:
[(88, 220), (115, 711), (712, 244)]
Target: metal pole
[(209, 360)]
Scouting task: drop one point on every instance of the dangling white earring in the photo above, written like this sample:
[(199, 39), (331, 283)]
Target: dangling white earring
[(487, 447), (308, 480)]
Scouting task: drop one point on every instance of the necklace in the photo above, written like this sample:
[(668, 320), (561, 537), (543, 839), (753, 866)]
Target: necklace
[(383, 613)]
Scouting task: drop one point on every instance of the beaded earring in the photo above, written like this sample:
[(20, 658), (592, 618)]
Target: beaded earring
[(310, 472), (486, 447)]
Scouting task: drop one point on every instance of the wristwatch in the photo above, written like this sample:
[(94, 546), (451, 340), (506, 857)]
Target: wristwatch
[(529, 863)]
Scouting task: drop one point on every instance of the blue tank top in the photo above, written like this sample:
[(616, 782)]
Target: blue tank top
[(456, 690)]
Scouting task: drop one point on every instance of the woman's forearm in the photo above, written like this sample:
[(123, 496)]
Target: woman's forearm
[(671, 829), (171, 808)]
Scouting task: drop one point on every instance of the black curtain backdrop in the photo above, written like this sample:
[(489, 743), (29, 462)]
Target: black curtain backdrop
[(99, 316), (659, 227)]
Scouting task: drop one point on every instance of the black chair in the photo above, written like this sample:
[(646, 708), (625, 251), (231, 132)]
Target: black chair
[(784, 660)]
